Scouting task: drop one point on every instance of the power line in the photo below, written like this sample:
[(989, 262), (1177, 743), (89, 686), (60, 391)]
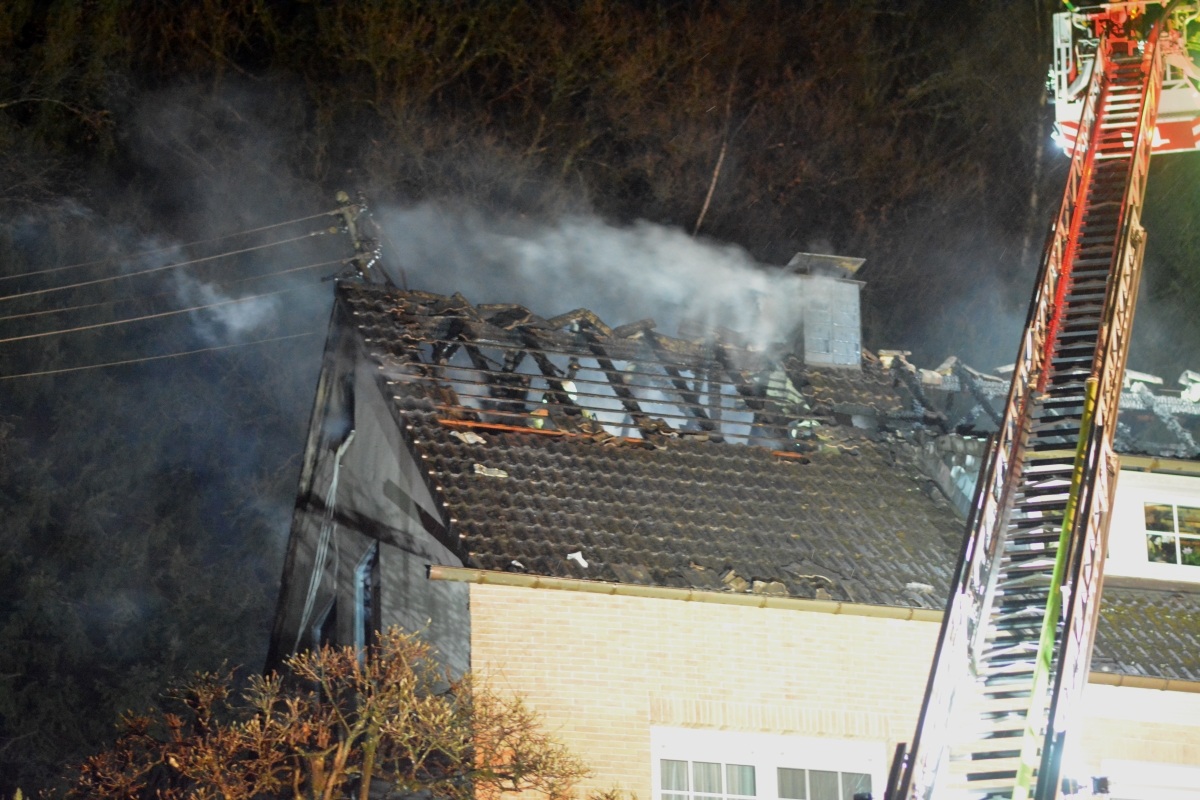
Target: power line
[(219, 285), (158, 250), (174, 265), (145, 317), (157, 358)]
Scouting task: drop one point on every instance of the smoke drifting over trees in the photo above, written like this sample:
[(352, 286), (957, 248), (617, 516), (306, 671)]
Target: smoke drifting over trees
[(146, 505)]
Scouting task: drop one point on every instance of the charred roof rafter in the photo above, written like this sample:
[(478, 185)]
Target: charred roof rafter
[(629, 381)]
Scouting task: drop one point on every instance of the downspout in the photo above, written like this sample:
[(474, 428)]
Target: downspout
[(326, 534)]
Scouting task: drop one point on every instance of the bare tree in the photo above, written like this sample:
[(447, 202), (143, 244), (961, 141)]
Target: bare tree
[(342, 723)]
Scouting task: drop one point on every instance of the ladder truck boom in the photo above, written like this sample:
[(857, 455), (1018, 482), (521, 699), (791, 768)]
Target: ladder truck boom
[(1015, 646)]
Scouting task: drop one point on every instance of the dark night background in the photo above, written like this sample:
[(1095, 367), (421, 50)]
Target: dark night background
[(146, 505)]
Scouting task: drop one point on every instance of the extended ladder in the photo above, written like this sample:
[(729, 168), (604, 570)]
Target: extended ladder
[(1015, 645)]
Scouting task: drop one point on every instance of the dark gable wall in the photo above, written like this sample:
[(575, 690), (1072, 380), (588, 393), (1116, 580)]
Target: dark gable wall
[(381, 497)]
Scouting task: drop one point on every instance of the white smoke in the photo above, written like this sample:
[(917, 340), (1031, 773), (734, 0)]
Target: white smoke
[(226, 318), (622, 273)]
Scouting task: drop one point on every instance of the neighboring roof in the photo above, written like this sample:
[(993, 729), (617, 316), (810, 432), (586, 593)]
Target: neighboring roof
[(562, 447), (1163, 423), (1149, 632)]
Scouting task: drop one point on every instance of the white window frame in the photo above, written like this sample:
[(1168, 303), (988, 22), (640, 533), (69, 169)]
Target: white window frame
[(1127, 552), (1183, 543), (766, 752)]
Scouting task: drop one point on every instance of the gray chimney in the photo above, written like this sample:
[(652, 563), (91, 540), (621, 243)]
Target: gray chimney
[(831, 329)]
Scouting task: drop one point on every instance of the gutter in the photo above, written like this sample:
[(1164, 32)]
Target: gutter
[(487, 577), (1173, 466), (1143, 682), (524, 580)]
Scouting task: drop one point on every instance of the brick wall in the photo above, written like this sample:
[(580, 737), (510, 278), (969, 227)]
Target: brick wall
[(1141, 725), (602, 669)]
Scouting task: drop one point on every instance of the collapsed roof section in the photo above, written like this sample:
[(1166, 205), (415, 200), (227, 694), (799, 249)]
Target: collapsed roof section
[(1158, 422), (504, 367)]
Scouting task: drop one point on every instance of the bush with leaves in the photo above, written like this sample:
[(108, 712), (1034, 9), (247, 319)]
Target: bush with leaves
[(340, 723)]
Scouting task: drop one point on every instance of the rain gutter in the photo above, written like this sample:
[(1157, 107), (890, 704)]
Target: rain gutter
[(524, 580), (1143, 682), (487, 577)]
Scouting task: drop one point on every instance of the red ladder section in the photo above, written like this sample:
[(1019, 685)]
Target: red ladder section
[(1015, 646)]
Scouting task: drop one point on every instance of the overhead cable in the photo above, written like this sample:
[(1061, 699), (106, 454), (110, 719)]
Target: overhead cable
[(159, 315), (159, 357), (218, 285), (158, 250), (174, 265)]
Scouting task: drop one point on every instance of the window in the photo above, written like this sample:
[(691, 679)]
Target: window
[(698, 764), (1155, 527), (366, 598), (819, 784), (709, 780), (1172, 533), (324, 633)]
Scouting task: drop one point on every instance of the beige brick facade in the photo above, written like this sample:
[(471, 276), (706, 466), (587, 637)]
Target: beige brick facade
[(603, 669)]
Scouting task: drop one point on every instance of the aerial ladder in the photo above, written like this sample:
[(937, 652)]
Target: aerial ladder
[(1015, 646)]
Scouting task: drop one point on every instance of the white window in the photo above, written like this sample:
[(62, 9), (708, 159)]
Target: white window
[(1172, 533), (822, 784), (1154, 530), (697, 764), (705, 780)]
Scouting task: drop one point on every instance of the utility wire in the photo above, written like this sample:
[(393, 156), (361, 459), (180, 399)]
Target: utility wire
[(159, 315), (174, 265), (157, 358), (219, 285), (158, 250)]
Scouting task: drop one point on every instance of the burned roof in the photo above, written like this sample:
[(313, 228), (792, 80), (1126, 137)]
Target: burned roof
[(694, 462), (565, 447), (1163, 423)]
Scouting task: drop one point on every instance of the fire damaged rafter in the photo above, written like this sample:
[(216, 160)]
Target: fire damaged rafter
[(907, 374), (967, 379), (469, 361), (691, 398), (507, 389), (596, 334), (580, 318), (753, 394), (618, 382), (560, 407)]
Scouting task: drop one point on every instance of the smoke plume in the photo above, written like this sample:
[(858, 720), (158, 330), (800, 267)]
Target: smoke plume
[(621, 273)]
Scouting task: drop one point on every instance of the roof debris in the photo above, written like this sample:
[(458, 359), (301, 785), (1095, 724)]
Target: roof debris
[(490, 472)]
